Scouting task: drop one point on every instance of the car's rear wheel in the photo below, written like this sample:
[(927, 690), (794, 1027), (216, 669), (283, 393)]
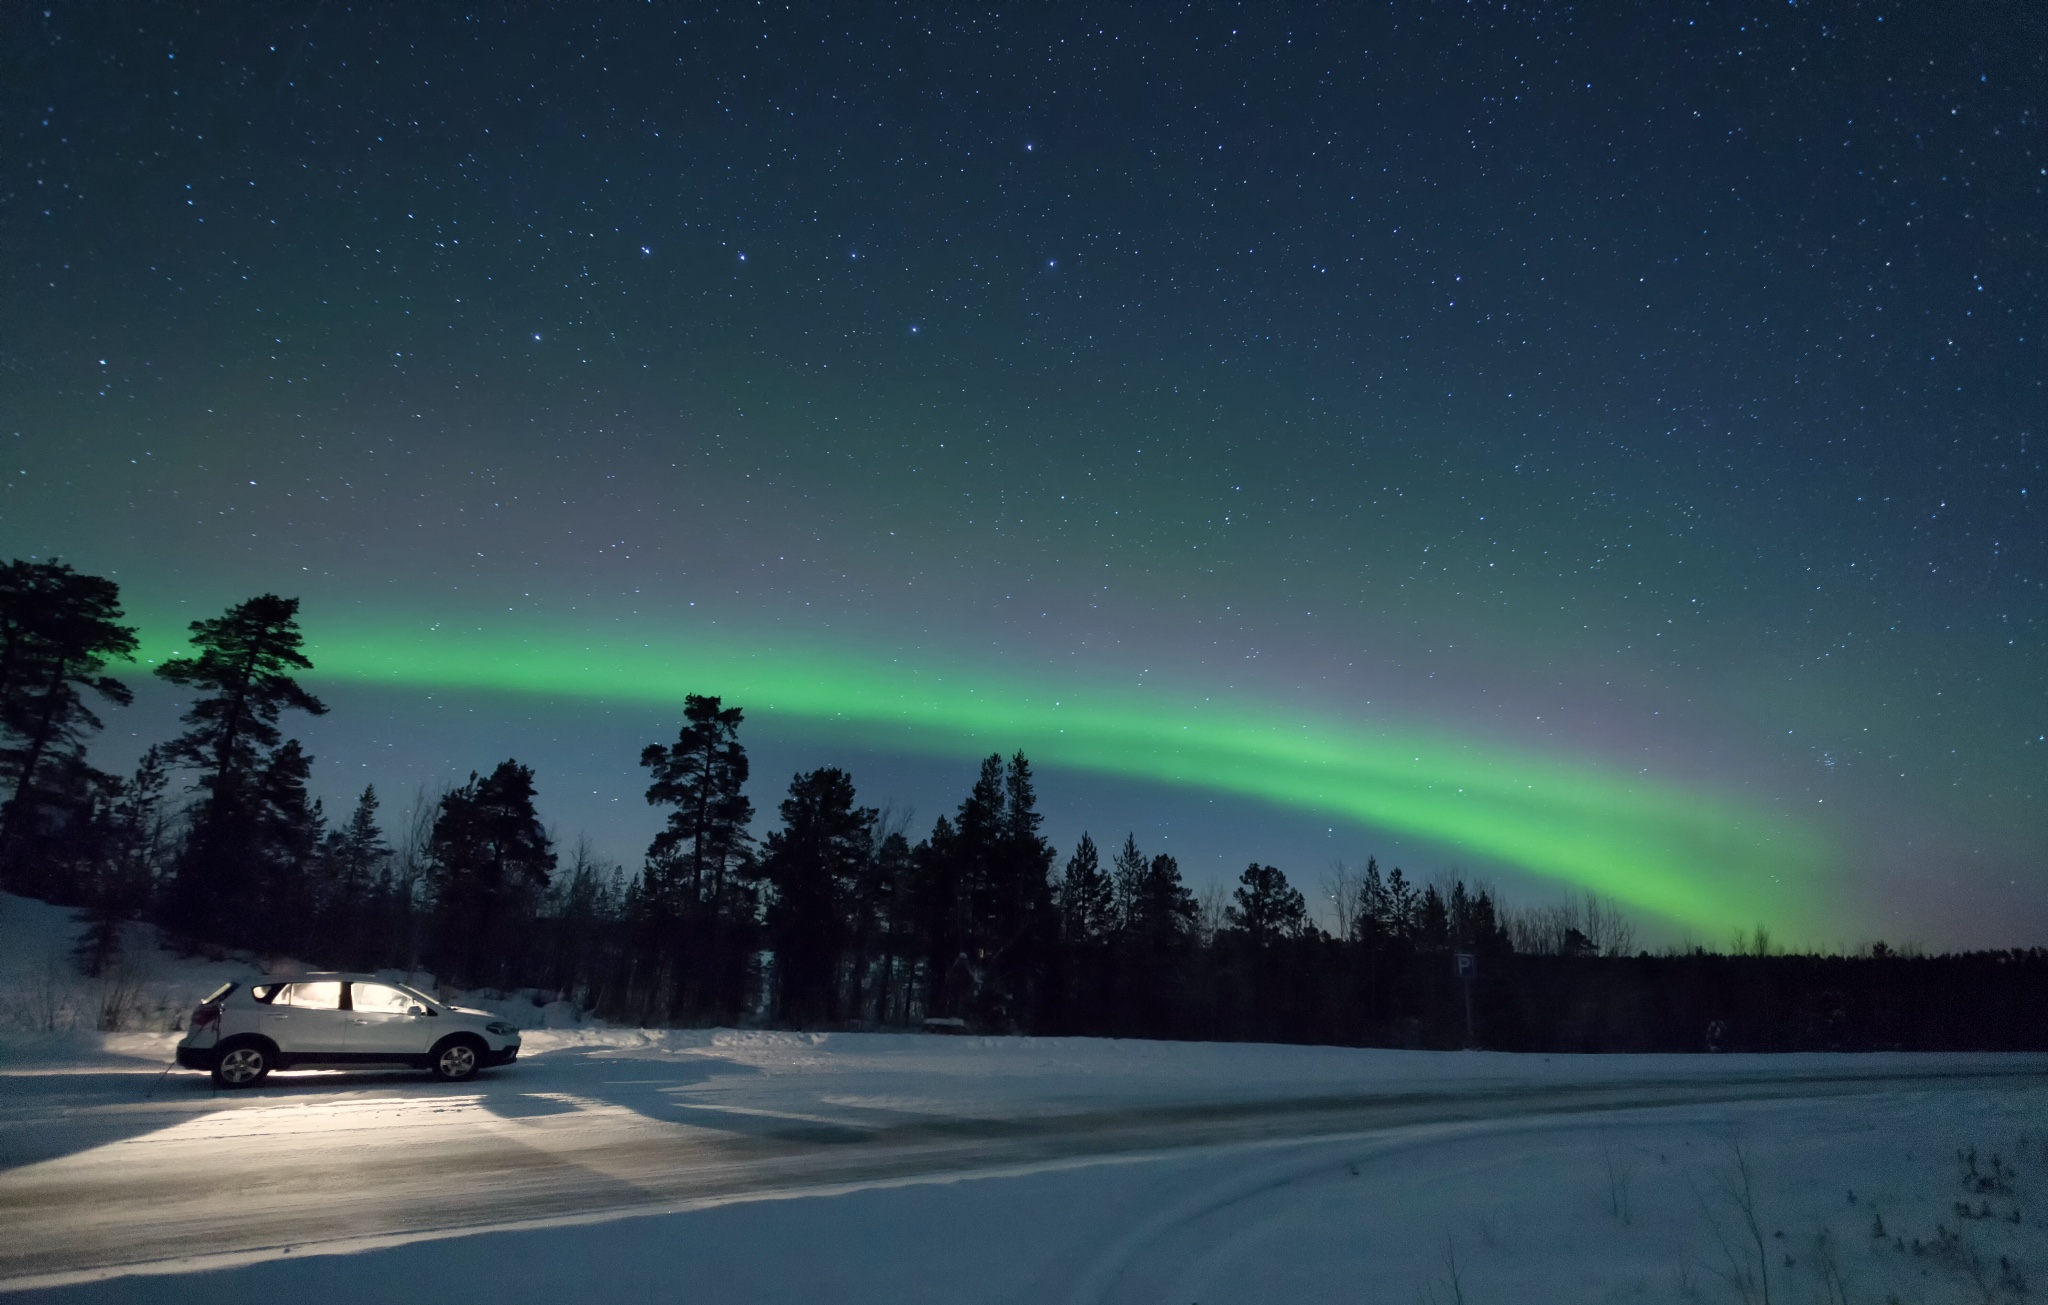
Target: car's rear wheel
[(241, 1064), (457, 1059)]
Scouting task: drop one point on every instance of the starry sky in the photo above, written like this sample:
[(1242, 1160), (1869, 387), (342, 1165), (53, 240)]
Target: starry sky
[(1586, 447)]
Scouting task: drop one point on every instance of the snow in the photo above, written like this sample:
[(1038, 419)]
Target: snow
[(724, 1165), (45, 1002), (1552, 1209)]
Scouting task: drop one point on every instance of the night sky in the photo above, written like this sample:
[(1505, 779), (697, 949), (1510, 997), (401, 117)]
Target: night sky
[(1577, 447)]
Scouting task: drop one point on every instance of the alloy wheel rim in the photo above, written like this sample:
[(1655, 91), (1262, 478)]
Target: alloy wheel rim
[(457, 1061), (241, 1065)]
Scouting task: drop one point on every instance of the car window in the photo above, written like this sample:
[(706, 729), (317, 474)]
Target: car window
[(382, 997), (324, 995)]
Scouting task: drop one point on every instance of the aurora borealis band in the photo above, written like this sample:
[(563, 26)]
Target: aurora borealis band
[(1581, 448), (1675, 853)]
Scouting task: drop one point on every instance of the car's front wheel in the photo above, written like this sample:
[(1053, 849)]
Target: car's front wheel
[(241, 1064), (457, 1059)]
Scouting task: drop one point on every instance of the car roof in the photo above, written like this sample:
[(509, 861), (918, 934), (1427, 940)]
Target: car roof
[(329, 976)]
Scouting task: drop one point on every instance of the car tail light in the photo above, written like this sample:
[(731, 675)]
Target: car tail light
[(205, 1015)]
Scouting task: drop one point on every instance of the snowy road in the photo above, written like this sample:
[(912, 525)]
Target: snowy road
[(101, 1177)]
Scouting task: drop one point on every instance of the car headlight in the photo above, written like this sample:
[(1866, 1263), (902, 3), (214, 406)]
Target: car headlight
[(501, 1028)]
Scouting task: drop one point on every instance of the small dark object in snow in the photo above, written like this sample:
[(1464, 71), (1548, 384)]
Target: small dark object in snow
[(1852, 1197), (1877, 1225), (945, 1024)]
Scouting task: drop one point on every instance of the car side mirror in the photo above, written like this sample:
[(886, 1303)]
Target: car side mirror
[(417, 1010)]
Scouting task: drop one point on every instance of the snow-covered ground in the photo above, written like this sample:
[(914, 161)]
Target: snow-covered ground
[(748, 1166)]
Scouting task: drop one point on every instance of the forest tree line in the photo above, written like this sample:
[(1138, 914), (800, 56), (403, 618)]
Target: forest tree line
[(836, 918)]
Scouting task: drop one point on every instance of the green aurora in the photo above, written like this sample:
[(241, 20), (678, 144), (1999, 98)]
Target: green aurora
[(1700, 859)]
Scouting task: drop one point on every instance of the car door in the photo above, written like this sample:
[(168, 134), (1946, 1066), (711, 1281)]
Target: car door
[(306, 1019), (382, 1022)]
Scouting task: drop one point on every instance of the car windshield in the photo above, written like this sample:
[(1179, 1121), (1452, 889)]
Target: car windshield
[(424, 1000)]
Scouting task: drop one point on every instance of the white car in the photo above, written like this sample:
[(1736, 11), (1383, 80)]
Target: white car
[(243, 1031)]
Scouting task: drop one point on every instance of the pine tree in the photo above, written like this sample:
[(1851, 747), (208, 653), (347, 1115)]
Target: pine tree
[(89, 855), (352, 858), (131, 851), (356, 851), (1402, 907), (1087, 897), (703, 776), (143, 836), (1432, 922), (938, 911), (697, 901), (1164, 912), (290, 824), (814, 865), (977, 846), (489, 865), (887, 931), (58, 632), (1154, 942), (1266, 907), (1003, 870), (1023, 926), (243, 675), (1375, 926), (1475, 924), (1127, 876)]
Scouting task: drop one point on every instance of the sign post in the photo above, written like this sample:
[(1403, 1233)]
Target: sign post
[(1468, 965)]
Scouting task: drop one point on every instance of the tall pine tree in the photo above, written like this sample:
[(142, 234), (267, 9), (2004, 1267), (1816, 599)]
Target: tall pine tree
[(353, 858), (697, 904), (814, 866), (58, 632), (1002, 870), (243, 676), (290, 826), (1087, 898), (489, 865), (703, 777)]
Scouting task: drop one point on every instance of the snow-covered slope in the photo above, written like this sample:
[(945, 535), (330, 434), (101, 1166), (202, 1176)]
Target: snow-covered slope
[(48, 1009)]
